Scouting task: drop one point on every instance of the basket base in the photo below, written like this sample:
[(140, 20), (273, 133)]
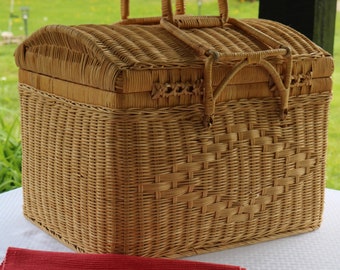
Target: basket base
[(189, 253)]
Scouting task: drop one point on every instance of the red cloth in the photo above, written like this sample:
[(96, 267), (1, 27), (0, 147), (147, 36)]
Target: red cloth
[(25, 259)]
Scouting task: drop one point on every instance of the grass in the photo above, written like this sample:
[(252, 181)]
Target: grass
[(10, 144), (106, 12), (333, 158), (10, 156)]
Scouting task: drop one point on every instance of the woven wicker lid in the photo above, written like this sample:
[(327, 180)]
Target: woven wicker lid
[(132, 58)]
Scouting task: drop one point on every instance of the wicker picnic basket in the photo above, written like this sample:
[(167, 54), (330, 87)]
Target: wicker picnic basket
[(175, 135)]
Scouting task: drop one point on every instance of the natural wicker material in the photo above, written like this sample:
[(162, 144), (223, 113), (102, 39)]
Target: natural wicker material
[(137, 140)]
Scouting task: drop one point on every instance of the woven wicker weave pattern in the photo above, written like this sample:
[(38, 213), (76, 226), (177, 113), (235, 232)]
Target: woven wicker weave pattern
[(147, 48), (174, 135), (239, 182)]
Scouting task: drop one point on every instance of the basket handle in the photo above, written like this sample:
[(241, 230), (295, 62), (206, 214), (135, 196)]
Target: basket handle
[(246, 59), (259, 58), (211, 56), (166, 8), (168, 13)]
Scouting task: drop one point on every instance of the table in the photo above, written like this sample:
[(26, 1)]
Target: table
[(319, 250)]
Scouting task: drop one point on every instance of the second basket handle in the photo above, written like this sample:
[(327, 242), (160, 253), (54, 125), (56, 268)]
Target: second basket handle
[(180, 9), (166, 8)]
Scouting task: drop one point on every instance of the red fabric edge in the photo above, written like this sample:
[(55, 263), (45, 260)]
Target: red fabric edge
[(25, 259)]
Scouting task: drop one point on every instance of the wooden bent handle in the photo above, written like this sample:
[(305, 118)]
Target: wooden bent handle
[(245, 59), (167, 10)]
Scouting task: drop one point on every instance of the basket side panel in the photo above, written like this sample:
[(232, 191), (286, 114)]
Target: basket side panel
[(67, 175), (154, 182), (251, 177)]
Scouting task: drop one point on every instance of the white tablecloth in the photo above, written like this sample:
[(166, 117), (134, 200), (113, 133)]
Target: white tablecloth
[(319, 250)]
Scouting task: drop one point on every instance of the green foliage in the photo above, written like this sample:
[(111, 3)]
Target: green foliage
[(10, 144), (333, 156), (10, 156)]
